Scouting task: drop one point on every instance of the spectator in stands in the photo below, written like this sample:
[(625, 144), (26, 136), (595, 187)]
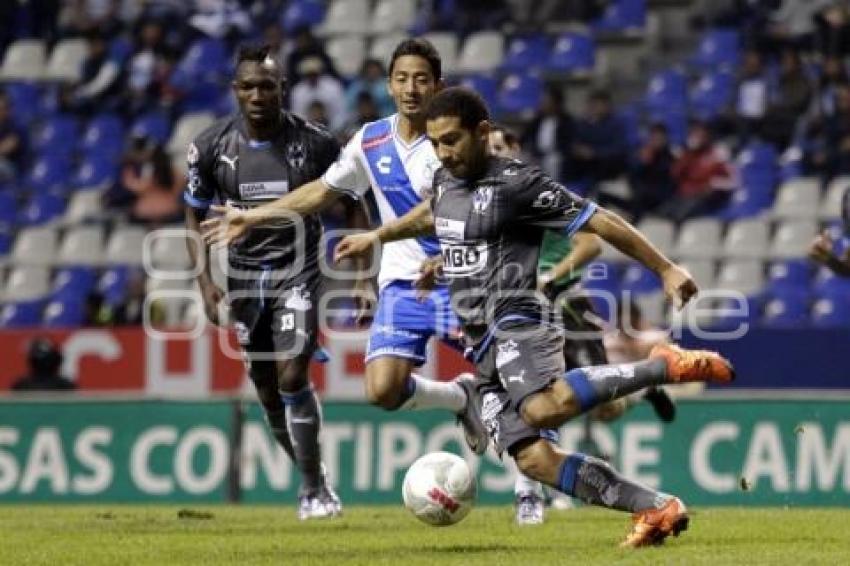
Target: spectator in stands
[(13, 142), (372, 79), (833, 30), (462, 17), (752, 98), (221, 19), (150, 176), (703, 174), (788, 100), (101, 78), (148, 69), (317, 113), (306, 46), (599, 149), (533, 16), (317, 85), (651, 175), (44, 360), (550, 133), (274, 37), (833, 75), (365, 111), (96, 311), (829, 147), (78, 17)]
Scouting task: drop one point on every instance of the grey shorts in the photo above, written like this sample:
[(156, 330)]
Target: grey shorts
[(521, 360)]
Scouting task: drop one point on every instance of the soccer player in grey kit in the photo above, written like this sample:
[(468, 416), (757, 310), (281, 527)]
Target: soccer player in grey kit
[(490, 215), (245, 160)]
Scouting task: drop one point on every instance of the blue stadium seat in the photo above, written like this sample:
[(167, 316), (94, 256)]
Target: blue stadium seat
[(728, 317), (667, 91), (789, 274), (758, 164), (105, 136), (788, 308), (747, 201), (64, 312), (74, 282), (718, 47), (21, 314), (676, 122), (120, 49), (520, 93), (603, 276), (58, 136), (484, 85), (200, 74), (630, 116), (526, 53), (95, 171), (6, 241), (8, 210), (831, 311), (113, 284), (712, 94), (622, 15), (25, 98), (42, 207), (49, 173), (153, 125), (302, 13), (572, 52), (827, 282), (639, 280)]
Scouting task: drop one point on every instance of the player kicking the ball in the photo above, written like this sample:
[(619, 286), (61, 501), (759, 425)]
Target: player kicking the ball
[(490, 215), (392, 158)]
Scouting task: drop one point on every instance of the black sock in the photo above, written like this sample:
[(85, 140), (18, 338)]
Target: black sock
[(594, 481), (597, 384), (277, 424), (305, 420)]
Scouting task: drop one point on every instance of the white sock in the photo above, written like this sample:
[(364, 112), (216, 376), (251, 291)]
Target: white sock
[(431, 394), (524, 485)]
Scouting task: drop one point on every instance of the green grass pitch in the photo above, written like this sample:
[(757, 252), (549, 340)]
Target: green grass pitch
[(207, 535)]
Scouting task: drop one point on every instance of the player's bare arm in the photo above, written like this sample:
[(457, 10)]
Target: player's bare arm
[(586, 248), (418, 222), (679, 286), (821, 252), (234, 222), (210, 292)]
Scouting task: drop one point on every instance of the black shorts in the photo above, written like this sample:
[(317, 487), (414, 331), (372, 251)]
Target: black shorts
[(521, 359), (274, 313)]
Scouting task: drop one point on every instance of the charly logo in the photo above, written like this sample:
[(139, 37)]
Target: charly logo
[(481, 199), (296, 155), (507, 352), (299, 299)]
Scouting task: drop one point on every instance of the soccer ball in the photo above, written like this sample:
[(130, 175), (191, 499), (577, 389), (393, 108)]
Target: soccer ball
[(439, 489)]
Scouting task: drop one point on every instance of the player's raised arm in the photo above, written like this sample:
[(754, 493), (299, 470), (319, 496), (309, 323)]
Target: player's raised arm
[(679, 286), (418, 222)]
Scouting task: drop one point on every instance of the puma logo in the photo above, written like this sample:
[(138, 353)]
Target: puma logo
[(229, 160)]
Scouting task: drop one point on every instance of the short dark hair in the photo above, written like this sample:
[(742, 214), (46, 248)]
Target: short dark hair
[(601, 95), (509, 135), (255, 53), (461, 102), (421, 48)]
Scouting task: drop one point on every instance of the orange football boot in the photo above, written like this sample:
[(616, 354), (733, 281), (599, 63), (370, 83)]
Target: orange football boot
[(652, 526), (693, 365)]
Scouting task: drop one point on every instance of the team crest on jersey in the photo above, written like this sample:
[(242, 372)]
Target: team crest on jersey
[(507, 352), (299, 299), (193, 155), (481, 199), (296, 155), (243, 335)]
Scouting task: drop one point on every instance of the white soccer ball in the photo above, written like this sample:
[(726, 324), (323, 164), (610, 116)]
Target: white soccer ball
[(439, 489)]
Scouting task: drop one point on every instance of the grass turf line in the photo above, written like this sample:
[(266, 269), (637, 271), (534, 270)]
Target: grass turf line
[(128, 534)]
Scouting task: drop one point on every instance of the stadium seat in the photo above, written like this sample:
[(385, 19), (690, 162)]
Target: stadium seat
[(827, 281), (640, 280), (73, 281), (81, 245), (481, 52), (791, 164), (792, 239), (301, 13), (831, 311), (21, 314), (187, 128), (743, 276), (712, 94), (66, 60), (520, 94), (126, 246), (603, 276), (8, 210), (25, 100), (347, 53), (746, 239), (346, 16), (832, 201), (95, 172), (573, 53), (702, 270), (526, 53), (383, 46), (799, 198), (667, 91), (59, 135), (757, 164), (652, 306), (49, 173), (84, 205), (27, 283), (104, 135), (790, 273), (113, 284), (35, 246), (41, 209), (788, 308), (747, 202), (699, 239), (6, 240), (393, 15), (622, 16), (718, 48), (446, 44), (64, 312), (659, 232), (169, 252), (24, 61), (731, 314), (153, 125)]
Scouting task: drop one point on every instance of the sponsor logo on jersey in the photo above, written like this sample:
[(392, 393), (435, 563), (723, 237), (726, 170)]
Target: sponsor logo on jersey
[(548, 200), (384, 164), (296, 155), (449, 229), (229, 160), (263, 190), (481, 199), (464, 259), (506, 353), (299, 299)]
